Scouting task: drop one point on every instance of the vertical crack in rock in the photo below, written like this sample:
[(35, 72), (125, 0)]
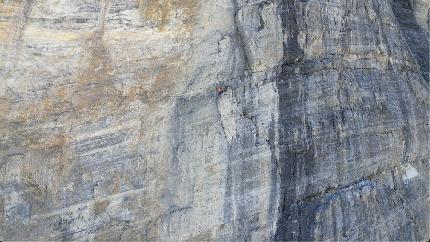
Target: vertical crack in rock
[(22, 20), (416, 38), (276, 194), (240, 40), (95, 81), (104, 9)]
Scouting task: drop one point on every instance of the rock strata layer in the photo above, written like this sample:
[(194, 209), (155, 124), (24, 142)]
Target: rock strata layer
[(230, 120)]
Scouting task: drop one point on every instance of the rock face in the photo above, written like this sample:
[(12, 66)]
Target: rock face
[(214, 120)]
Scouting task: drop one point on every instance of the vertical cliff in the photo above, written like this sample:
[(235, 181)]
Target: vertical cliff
[(214, 120)]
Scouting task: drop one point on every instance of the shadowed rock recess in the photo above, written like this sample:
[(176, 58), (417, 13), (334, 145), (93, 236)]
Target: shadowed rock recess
[(228, 120)]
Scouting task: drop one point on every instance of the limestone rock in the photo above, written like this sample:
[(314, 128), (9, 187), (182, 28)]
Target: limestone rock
[(224, 120)]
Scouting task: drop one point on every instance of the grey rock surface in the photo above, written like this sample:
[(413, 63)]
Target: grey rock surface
[(229, 120)]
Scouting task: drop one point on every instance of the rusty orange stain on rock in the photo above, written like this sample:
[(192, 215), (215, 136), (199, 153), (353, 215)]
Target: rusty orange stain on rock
[(100, 206), (162, 12), (19, 12), (50, 142), (162, 81)]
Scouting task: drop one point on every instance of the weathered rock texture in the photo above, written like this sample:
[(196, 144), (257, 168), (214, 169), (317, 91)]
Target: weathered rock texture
[(214, 119)]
